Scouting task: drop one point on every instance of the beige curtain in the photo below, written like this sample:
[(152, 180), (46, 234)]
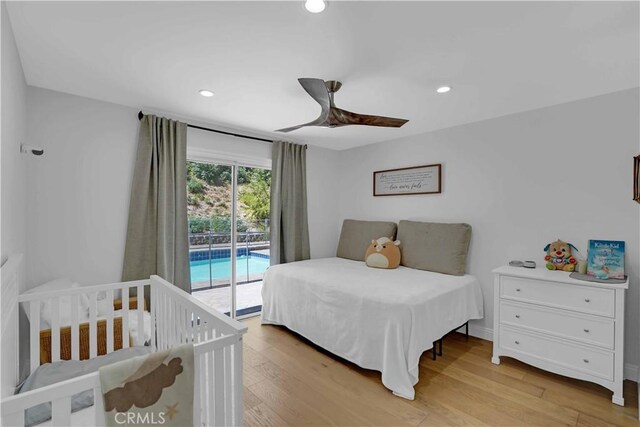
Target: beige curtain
[(157, 236), (289, 224)]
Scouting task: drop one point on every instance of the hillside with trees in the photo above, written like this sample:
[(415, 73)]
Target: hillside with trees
[(209, 195)]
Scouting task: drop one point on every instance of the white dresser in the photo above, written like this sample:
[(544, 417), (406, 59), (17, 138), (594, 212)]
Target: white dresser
[(559, 324)]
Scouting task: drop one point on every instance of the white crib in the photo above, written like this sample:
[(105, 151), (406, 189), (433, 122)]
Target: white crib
[(176, 318)]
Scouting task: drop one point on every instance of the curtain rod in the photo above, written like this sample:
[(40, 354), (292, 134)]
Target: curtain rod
[(140, 115)]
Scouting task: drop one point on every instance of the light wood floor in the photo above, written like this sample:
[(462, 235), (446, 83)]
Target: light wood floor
[(289, 381)]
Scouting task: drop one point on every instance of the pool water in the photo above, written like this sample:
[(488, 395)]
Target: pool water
[(221, 268)]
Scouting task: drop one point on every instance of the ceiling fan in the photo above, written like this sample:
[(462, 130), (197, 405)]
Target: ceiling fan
[(332, 116)]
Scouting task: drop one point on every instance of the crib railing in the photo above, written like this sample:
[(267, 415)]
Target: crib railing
[(59, 395), (212, 407), (176, 318), (36, 303), (218, 361)]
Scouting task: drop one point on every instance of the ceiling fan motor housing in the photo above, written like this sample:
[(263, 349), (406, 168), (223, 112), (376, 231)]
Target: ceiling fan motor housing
[(333, 85)]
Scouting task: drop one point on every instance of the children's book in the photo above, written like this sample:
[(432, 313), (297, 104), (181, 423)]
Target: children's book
[(606, 259)]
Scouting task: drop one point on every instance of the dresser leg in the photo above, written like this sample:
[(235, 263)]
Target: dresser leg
[(495, 360), (618, 399)]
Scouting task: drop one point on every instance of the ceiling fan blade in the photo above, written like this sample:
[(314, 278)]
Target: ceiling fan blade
[(317, 122), (292, 128), (317, 88), (346, 118), (331, 116)]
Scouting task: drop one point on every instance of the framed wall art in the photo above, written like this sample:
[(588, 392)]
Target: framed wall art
[(425, 179)]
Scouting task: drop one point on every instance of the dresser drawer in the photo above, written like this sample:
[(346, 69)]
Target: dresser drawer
[(565, 324), (555, 352), (578, 298)]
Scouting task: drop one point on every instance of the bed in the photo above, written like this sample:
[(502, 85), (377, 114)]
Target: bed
[(175, 317), (378, 319)]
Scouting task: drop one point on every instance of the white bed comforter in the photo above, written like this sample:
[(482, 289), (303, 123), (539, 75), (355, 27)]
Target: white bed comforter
[(379, 319)]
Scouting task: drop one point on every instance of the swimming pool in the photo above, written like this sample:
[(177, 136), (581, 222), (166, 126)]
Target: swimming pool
[(221, 268)]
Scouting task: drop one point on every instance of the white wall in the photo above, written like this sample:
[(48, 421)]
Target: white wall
[(79, 190), (14, 165), (13, 176), (205, 145), (521, 181), (323, 180)]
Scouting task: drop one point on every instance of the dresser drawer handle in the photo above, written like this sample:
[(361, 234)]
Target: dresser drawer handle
[(517, 289), (587, 300), (586, 360), (517, 316), (586, 331), (517, 342)]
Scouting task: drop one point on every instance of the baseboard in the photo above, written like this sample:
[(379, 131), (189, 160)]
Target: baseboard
[(631, 371), (481, 332), (478, 331)]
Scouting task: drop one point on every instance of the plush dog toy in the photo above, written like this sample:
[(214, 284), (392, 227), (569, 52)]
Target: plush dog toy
[(383, 253), (559, 256)]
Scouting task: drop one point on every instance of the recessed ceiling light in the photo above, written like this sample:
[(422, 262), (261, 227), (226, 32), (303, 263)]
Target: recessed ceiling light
[(314, 6), (206, 93), (443, 89)]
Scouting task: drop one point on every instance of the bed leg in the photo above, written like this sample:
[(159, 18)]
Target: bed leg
[(440, 350), (466, 330), (433, 350)]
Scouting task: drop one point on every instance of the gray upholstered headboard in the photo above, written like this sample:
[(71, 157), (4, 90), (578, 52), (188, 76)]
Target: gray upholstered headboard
[(356, 236)]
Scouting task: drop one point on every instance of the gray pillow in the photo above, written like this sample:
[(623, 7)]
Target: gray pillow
[(434, 246), (356, 236)]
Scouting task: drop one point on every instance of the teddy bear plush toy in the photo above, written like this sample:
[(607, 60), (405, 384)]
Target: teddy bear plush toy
[(383, 253), (559, 256)]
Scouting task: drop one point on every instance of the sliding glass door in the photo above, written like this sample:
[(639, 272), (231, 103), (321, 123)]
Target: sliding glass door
[(228, 234), (252, 237)]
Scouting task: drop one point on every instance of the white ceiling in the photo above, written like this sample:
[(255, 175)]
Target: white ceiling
[(500, 58)]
